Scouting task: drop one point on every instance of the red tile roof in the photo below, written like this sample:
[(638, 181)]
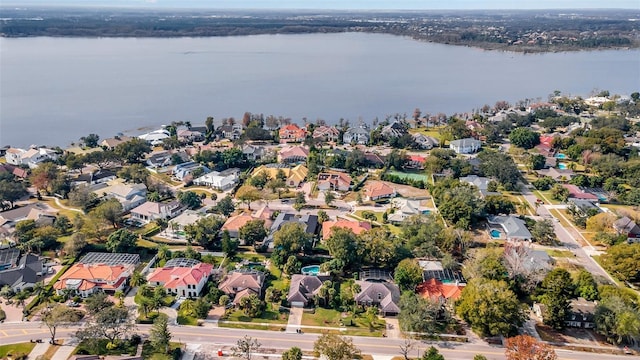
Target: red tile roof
[(174, 277), (434, 289), (356, 226)]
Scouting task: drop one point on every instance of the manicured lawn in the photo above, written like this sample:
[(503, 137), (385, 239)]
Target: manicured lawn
[(15, 349), (146, 244), (357, 326), (547, 195), (148, 351), (267, 317), (99, 347), (622, 209), (433, 132), (250, 326), (187, 320), (322, 317), (559, 253), (408, 175)]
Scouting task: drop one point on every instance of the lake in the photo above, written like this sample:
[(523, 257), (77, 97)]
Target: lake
[(55, 90)]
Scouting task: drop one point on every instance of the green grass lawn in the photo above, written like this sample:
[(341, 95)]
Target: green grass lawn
[(272, 317), (322, 317), (547, 195), (99, 347), (408, 175), (433, 132), (187, 320), (15, 349), (559, 253), (356, 326)]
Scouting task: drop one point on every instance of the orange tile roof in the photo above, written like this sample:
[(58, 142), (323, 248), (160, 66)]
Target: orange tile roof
[(92, 275), (356, 226), (174, 277), (377, 189), (234, 223), (434, 289)]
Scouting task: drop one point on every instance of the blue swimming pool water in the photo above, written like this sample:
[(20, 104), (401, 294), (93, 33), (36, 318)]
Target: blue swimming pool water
[(562, 166), (311, 270), (561, 156), (426, 212), (495, 233)]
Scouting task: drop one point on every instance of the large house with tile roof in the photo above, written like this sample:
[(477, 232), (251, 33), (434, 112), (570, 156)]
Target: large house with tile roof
[(234, 223), (181, 277), (294, 154), (151, 211), (437, 291), (357, 227), (326, 133), (238, 284), (294, 175), (292, 133), (86, 279), (334, 181), (377, 190), (129, 195)]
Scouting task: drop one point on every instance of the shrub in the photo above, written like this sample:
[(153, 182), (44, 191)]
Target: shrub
[(3, 315)]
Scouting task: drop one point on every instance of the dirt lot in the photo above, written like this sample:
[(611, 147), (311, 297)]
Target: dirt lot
[(408, 191)]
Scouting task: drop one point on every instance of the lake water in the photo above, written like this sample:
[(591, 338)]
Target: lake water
[(55, 90)]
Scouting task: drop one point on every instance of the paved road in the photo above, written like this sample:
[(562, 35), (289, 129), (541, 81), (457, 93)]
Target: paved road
[(567, 239), (225, 338)]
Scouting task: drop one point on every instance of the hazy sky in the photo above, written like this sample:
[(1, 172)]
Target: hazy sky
[(353, 4)]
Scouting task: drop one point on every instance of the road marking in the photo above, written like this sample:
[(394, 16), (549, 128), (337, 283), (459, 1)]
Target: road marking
[(4, 332), (25, 332)]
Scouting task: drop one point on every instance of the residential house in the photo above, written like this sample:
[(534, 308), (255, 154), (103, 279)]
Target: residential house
[(437, 291), (475, 127), (223, 180), (303, 289), (513, 227), (336, 181), (37, 212), (433, 269), (624, 225), (557, 174), (94, 177), (424, 141), (241, 283), (356, 135), (581, 315), (13, 156), (294, 154), (382, 294), (189, 135), (96, 272), (480, 182), (16, 171), (234, 223), (415, 162), (265, 213), (181, 171), (403, 209), (326, 133), (151, 211), (159, 159), (34, 157), (394, 130), (585, 207), (294, 176), (181, 277), (377, 190), (129, 195), (309, 222), (19, 272), (252, 152), (176, 226), (231, 132), (374, 159), (155, 137), (111, 143), (357, 227), (465, 146), (577, 193), (292, 133)]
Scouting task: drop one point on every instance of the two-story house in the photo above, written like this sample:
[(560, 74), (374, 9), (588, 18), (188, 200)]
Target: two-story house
[(238, 284), (181, 277), (465, 146), (151, 211), (356, 135), (292, 133)]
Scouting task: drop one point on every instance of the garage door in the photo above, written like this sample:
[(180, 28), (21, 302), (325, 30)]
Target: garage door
[(297, 304)]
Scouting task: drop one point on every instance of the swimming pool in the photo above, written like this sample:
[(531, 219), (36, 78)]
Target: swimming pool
[(562, 166), (426, 212), (310, 270), (560, 156), (495, 233)]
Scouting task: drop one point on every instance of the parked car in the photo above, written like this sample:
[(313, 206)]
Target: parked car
[(73, 304)]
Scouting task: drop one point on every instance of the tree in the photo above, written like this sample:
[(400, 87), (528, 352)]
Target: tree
[(292, 354), (623, 261), (122, 241), (479, 357), (225, 206), (245, 347), (490, 307), (537, 161), (525, 347), (329, 198), (109, 211), (97, 302), (557, 289), (190, 199), (136, 173), (498, 204), (406, 347), (276, 184), (204, 232), (290, 239), (110, 324), (248, 194), (617, 316), (420, 315), (251, 305), (137, 279), (75, 244), (292, 266), (322, 216), (229, 246), (601, 222), (343, 246), (59, 316), (300, 201), (90, 140), (11, 191), (408, 274), (524, 138), (543, 232), (43, 177), (335, 347), (159, 334), (586, 286), (432, 354), (559, 192), (253, 232), (133, 150)]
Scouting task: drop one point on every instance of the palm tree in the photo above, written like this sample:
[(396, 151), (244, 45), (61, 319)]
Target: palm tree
[(163, 252), (21, 297), (120, 296), (188, 306), (38, 287), (137, 279), (523, 207)]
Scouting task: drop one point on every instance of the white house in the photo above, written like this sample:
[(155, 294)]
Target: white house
[(465, 146), (358, 135), (150, 211), (155, 137), (32, 157), (222, 180), (129, 195), (181, 277)]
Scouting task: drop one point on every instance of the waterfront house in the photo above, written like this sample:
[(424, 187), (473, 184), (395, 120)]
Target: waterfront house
[(356, 135), (326, 133), (292, 133)]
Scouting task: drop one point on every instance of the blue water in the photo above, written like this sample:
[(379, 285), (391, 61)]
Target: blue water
[(561, 156), (495, 234), (311, 270), (426, 212), (562, 166)]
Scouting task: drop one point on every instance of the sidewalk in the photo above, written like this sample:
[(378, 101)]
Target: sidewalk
[(38, 350), (65, 350)]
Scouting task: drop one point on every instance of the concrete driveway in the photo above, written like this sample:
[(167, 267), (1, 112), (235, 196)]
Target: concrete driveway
[(295, 319)]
